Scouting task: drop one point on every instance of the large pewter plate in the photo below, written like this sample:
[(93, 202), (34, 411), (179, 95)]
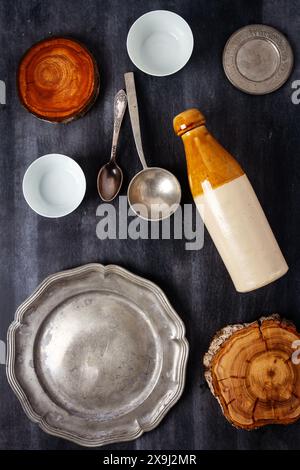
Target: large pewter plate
[(97, 355)]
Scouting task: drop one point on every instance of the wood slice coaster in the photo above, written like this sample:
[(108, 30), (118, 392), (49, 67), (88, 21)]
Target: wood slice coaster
[(252, 371), (58, 80)]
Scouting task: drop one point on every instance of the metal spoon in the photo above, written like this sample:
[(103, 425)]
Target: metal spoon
[(153, 193), (110, 176)]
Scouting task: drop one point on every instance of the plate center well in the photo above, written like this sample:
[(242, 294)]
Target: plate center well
[(258, 60), (97, 355)]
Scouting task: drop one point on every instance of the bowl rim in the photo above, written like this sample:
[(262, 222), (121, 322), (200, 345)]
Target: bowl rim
[(163, 12), (46, 158)]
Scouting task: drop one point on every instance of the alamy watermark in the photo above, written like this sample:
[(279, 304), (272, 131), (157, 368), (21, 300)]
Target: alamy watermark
[(296, 93), (2, 352), (295, 358), (123, 223), (296, 354), (2, 92)]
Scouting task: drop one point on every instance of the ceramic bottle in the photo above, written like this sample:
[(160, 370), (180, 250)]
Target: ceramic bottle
[(229, 207)]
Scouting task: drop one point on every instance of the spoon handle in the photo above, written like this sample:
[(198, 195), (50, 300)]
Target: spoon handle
[(120, 104), (134, 116)]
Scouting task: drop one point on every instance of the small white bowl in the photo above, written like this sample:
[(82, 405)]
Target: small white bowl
[(54, 185), (160, 43)]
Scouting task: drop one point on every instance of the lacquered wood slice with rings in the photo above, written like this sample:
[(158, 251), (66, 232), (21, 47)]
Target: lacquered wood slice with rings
[(253, 370), (58, 80)]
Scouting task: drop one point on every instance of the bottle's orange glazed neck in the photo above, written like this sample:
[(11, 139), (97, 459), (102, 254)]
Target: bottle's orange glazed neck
[(208, 162)]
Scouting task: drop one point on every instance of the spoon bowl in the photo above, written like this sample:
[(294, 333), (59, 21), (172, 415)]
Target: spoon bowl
[(109, 181), (154, 194)]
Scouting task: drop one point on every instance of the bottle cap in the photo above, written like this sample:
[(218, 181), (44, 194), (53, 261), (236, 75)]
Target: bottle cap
[(188, 120)]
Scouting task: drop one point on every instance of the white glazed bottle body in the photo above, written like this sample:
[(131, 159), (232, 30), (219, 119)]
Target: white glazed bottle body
[(242, 235)]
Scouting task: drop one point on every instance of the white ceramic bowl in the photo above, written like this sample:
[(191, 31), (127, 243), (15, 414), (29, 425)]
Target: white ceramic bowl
[(54, 185), (160, 43)]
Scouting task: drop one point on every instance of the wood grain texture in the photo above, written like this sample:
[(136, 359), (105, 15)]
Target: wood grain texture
[(262, 132), (58, 80), (251, 372)]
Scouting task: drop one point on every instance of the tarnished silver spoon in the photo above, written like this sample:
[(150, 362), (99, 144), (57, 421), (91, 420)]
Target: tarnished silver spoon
[(110, 176)]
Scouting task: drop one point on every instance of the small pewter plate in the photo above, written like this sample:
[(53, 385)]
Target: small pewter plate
[(257, 59), (97, 355)]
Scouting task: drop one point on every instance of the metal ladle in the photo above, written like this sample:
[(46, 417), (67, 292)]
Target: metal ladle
[(110, 176), (153, 193)]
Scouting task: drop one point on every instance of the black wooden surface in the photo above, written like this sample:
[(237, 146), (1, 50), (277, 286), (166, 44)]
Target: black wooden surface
[(261, 131)]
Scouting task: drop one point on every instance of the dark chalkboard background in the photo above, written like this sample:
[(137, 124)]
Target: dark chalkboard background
[(263, 133)]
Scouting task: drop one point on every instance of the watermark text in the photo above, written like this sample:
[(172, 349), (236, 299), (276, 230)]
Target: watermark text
[(123, 223)]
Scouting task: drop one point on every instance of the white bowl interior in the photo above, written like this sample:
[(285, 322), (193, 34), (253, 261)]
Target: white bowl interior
[(160, 42), (54, 185)]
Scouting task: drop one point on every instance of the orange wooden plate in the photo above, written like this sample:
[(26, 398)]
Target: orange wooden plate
[(58, 80)]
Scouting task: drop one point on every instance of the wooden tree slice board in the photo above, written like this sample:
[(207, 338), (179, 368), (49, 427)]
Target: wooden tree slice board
[(250, 369), (58, 80)]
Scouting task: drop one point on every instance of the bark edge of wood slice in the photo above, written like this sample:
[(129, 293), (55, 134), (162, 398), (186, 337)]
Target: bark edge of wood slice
[(250, 371), (58, 79)]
